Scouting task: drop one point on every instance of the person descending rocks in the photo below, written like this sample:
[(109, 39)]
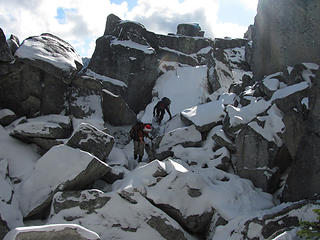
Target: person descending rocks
[(159, 110), (138, 132)]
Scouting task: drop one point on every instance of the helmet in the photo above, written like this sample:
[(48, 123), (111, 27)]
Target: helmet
[(147, 128)]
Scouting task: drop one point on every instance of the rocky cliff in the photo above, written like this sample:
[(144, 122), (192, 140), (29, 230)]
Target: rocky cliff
[(285, 33)]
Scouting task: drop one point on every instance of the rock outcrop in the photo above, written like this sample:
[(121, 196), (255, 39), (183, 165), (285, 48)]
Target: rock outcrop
[(131, 54)]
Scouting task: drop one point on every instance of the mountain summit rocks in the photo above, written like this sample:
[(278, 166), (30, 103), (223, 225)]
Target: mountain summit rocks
[(131, 54)]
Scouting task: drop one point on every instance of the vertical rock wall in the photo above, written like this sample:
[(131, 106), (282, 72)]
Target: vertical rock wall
[(286, 32)]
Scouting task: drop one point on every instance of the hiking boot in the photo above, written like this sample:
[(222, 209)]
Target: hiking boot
[(135, 156), (140, 159)]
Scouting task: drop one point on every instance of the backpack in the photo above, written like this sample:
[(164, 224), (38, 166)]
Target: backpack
[(135, 129), (166, 101)]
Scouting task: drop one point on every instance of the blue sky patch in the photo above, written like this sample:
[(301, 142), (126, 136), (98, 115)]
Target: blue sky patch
[(235, 12), (61, 14), (131, 3)]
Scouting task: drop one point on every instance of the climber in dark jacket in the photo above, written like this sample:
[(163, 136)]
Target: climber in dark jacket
[(138, 132), (160, 108)]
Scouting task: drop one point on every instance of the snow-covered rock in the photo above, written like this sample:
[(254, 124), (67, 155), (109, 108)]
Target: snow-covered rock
[(51, 54), (270, 225), (50, 127), (205, 116), (10, 215), (222, 139), (186, 136), (69, 169), (209, 155), (192, 197), (54, 231), (115, 215), (21, 158), (7, 116), (39, 129), (88, 138)]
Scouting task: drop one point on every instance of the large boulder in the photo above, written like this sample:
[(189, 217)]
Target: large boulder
[(204, 116), (115, 110), (51, 54), (51, 232), (186, 136), (86, 93), (48, 130), (285, 34), (47, 127), (256, 160), (70, 169), (37, 82), (176, 190), (110, 211), (90, 139), (191, 30)]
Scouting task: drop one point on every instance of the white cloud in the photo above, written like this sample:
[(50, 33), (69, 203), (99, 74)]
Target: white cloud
[(26, 18), (164, 16), (86, 21)]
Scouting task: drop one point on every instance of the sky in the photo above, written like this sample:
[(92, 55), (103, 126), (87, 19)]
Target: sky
[(81, 22)]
